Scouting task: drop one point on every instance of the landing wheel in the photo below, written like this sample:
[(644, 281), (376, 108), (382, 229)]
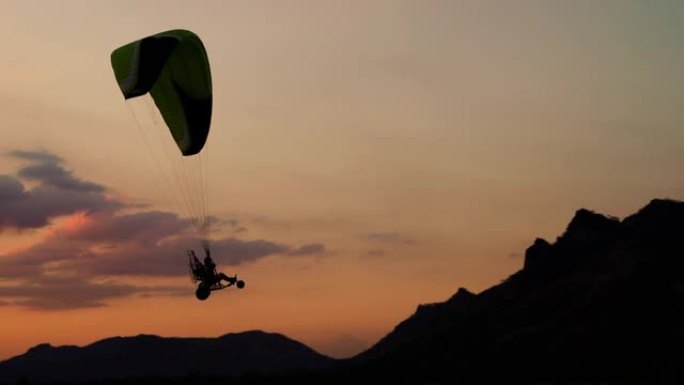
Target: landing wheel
[(240, 284), (202, 292)]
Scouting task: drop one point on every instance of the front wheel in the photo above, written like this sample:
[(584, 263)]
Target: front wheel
[(240, 284)]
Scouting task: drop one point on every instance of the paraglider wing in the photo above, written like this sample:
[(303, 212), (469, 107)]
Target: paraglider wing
[(173, 67)]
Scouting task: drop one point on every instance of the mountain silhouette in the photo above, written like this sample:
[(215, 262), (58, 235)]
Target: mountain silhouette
[(149, 356), (602, 304), (605, 301)]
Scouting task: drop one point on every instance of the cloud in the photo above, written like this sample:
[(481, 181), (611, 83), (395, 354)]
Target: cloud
[(146, 227), (233, 251), (308, 249), (140, 244), (149, 243), (389, 237), (53, 174), (57, 193), (169, 259), (79, 263), (36, 156), (79, 255), (52, 293), (65, 294), (43, 257)]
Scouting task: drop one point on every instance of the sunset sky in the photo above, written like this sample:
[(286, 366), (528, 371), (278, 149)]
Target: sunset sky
[(365, 157)]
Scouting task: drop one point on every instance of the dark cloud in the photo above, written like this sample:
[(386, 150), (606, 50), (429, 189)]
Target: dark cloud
[(165, 259), (64, 294), (141, 244), (169, 258), (389, 237), (51, 174), (78, 257), (100, 243), (147, 228), (47, 169), (155, 246), (308, 249), (51, 293), (36, 207), (10, 189), (58, 193), (233, 251), (42, 257), (36, 156)]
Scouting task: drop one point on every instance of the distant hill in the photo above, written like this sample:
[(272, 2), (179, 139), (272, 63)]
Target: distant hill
[(148, 356), (605, 301)]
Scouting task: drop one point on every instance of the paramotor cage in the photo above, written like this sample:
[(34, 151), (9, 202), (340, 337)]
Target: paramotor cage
[(196, 268), (199, 274)]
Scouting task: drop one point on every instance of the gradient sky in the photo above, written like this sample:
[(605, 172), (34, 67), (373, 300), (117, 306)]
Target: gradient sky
[(365, 157)]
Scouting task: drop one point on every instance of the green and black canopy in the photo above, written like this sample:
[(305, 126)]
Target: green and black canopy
[(173, 67)]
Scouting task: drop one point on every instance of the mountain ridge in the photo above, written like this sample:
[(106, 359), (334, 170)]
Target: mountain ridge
[(147, 356), (604, 300)]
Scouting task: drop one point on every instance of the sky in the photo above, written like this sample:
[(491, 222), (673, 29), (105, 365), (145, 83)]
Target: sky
[(364, 157)]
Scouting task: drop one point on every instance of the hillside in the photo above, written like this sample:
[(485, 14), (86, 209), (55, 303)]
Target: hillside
[(604, 301), (148, 356)]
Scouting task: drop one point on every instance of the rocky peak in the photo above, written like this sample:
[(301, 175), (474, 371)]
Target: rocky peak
[(661, 218), (537, 254), (588, 229), (461, 296)]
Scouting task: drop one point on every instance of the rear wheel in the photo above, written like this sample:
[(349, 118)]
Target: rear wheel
[(202, 292)]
